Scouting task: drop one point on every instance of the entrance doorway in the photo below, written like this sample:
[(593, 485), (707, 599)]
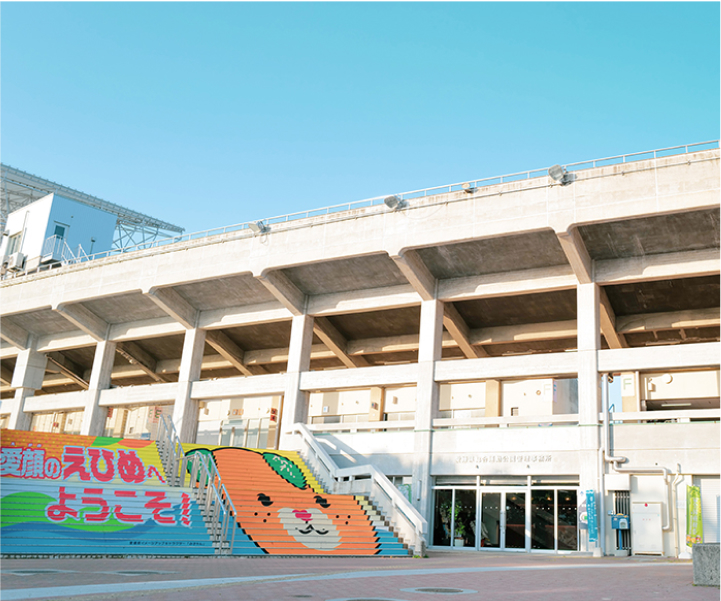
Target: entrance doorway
[(510, 519)]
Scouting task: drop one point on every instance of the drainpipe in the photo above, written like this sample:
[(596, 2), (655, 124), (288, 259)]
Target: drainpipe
[(602, 475), (674, 496), (615, 461)]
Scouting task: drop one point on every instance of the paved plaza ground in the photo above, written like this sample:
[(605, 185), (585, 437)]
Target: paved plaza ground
[(454, 575)]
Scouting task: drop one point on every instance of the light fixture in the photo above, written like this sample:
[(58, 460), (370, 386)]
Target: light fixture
[(560, 174), (395, 203), (258, 227), (675, 404), (468, 189)]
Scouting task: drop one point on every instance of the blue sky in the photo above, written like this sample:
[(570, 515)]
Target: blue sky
[(209, 114)]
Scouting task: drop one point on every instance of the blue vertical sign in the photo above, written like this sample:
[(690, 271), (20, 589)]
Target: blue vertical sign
[(592, 519)]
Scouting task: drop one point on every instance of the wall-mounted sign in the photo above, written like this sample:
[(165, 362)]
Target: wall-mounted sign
[(530, 458), (592, 518)]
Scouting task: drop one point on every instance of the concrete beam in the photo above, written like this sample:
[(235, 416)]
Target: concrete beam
[(245, 315), (385, 375), (146, 328), (136, 355), (359, 301), (336, 342), (227, 387), (509, 283), (518, 367), (228, 350), (392, 344), (84, 319), (696, 263), (68, 368), (280, 355), (13, 334), (608, 323), (677, 356), (458, 329), (577, 255), (170, 301), (649, 322), (417, 274), (553, 330), (280, 286), (63, 341)]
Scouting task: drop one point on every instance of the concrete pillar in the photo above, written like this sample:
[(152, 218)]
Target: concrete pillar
[(427, 401), (295, 400), (630, 397), (27, 378), (94, 415), (377, 404), (185, 411), (589, 393), (493, 398)]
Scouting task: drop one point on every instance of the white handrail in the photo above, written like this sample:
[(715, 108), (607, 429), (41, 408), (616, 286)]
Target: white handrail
[(411, 524), (665, 415), (363, 426), (516, 420)]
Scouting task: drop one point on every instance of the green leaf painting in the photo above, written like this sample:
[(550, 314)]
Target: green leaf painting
[(286, 469)]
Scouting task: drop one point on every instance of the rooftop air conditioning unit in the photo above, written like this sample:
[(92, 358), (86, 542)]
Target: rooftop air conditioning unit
[(16, 262)]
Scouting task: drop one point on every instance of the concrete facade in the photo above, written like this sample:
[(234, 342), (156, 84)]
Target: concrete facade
[(458, 295)]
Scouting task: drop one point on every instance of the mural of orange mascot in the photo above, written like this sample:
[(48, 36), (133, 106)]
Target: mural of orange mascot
[(280, 511)]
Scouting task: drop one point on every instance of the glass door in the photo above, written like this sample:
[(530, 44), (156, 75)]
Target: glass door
[(543, 510), (554, 523), (491, 528), (515, 510), (503, 520), (464, 522)]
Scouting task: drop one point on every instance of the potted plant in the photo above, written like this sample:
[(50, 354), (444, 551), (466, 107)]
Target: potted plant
[(459, 531)]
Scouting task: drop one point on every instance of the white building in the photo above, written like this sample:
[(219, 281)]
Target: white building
[(460, 339)]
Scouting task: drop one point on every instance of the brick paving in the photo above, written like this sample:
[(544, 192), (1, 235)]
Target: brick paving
[(482, 576)]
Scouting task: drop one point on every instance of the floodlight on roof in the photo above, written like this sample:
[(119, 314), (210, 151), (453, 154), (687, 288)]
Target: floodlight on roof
[(258, 227), (394, 202), (468, 188), (559, 174)]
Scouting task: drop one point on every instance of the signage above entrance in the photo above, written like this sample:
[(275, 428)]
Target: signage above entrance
[(535, 458)]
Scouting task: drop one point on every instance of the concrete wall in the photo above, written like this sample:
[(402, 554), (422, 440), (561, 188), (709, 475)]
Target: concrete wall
[(680, 385), (30, 221)]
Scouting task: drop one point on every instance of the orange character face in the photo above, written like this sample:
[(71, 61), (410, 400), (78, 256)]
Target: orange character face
[(310, 527)]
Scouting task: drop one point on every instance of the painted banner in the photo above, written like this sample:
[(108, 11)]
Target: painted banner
[(43, 456), (694, 522), (92, 494), (592, 518)]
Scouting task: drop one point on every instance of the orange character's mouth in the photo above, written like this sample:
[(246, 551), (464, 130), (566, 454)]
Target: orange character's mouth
[(307, 517), (310, 527)]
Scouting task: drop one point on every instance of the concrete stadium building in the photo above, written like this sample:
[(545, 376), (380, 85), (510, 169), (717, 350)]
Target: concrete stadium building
[(497, 348)]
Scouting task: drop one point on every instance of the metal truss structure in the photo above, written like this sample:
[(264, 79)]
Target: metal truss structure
[(20, 188)]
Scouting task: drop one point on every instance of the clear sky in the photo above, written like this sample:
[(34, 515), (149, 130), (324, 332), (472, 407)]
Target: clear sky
[(209, 114)]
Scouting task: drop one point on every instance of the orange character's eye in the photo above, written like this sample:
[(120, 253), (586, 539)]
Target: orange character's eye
[(264, 499), (321, 501)]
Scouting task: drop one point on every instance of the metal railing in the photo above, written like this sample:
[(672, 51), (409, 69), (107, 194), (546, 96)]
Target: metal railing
[(213, 498), (469, 185), (411, 525), (170, 450), (200, 474), (56, 249)]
